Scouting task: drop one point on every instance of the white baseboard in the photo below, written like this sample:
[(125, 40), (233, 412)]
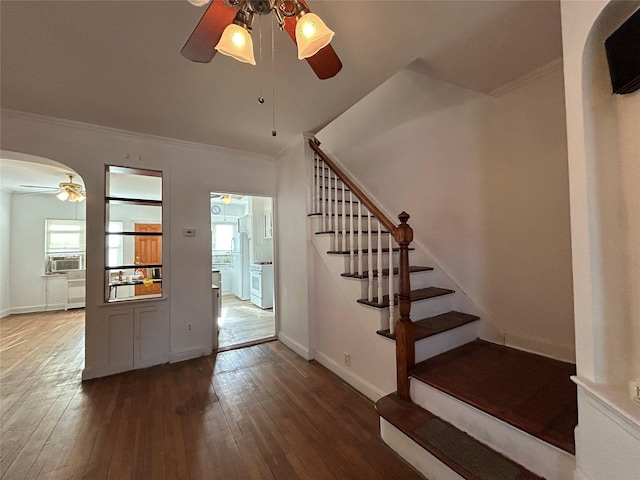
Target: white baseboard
[(539, 346), (580, 475), (91, 373), (297, 347), (361, 385), (187, 355), (33, 309), (6, 312), (414, 454)]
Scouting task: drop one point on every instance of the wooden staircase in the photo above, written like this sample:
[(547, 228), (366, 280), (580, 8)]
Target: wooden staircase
[(443, 427)]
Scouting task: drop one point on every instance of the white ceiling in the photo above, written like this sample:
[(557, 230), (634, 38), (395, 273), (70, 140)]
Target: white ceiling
[(118, 63)]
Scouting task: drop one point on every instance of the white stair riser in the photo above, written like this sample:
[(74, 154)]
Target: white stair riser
[(431, 307), (445, 341), (540, 457), (414, 454)]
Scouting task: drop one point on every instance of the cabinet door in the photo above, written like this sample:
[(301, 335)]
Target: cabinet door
[(120, 339), (151, 342)]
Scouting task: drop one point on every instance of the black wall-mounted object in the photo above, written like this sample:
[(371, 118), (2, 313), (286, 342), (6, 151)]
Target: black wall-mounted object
[(623, 55)]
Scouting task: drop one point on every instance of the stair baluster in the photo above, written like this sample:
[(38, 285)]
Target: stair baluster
[(352, 240), (379, 277), (344, 219), (392, 297), (324, 202), (403, 236), (370, 257), (360, 254)]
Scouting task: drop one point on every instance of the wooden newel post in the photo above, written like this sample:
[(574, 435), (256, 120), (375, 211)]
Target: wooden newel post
[(405, 345)]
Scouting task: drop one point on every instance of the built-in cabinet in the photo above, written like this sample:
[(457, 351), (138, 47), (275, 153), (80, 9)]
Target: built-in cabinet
[(138, 337)]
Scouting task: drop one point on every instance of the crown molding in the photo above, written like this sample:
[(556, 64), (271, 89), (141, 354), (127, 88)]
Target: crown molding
[(527, 78), (90, 127)]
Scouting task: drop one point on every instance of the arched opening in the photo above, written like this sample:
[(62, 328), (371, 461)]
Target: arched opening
[(42, 260), (612, 165)]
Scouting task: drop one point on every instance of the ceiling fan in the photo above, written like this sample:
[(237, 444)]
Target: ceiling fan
[(226, 197), (226, 26), (65, 191)]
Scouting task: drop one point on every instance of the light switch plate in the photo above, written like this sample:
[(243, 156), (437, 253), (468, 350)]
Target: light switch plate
[(189, 232)]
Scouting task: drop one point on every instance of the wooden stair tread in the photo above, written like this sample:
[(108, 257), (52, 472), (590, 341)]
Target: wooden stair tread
[(385, 272), (430, 326), (532, 393), (468, 457), (416, 296)]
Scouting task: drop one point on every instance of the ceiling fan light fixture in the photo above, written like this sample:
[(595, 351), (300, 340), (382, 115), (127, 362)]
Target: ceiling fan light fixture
[(62, 195), (236, 41), (312, 34)]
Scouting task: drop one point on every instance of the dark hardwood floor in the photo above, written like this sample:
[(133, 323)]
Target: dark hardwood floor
[(255, 413)]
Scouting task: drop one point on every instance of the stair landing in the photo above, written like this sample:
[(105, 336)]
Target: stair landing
[(532, 393)]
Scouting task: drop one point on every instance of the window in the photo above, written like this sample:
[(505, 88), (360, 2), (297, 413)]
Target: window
[(222, 242), (114, 244), (133, 229), (64, 236)]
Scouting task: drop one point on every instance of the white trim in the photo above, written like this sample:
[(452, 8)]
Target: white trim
[(527, 78), (6, 312), (611, 402), (91, 373), (188, 355), (297, 347), (579, 474), (35, 308), (540, 346), (368, 390), (125, 133)]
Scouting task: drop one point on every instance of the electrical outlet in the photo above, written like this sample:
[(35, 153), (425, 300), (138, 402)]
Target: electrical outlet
[(634, 391), (189, 327), (347, 359)]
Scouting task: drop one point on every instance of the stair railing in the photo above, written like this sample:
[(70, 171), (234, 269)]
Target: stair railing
[(346, 218)]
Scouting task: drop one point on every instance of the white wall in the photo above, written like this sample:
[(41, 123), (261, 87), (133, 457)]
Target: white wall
[(604, 174), (27, 250), (293, 266), (5, 255), (485, 181), (190, 173)]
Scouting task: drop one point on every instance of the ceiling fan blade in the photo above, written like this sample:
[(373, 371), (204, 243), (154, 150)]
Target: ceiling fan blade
[(40, 186), (325, 63), (201, 44)]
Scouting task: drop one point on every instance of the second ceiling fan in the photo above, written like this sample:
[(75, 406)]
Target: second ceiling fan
[(226, 26)]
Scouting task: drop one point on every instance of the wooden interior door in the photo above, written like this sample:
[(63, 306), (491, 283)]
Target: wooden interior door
[(148, 250)]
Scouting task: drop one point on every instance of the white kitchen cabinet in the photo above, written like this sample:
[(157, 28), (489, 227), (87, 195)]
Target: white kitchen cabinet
[(76, 288), (55, 287)]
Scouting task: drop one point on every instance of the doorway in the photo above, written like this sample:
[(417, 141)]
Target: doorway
[(242, 244)]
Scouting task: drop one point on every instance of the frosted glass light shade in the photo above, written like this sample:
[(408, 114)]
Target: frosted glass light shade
[(198, 3), (62, 195), (312, 35), (236, 42)]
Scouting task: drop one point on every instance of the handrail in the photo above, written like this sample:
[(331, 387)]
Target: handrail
[(403, 235), (388, 224)]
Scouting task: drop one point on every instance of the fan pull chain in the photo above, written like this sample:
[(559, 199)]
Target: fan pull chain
[(273, 76), (260, 67)]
